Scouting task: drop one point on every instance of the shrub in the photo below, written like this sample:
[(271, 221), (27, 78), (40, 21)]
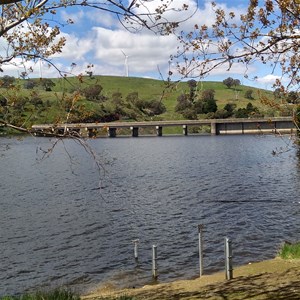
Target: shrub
[(29, 84), (93, 92), (249, 94), (183, 103), (290, 250)]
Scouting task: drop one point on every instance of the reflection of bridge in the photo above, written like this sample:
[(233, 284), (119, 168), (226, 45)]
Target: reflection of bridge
[(217, 126)]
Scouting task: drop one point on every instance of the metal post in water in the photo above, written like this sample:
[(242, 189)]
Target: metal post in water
[(228, 259), (136, 255), (200, 233), (154, 262)]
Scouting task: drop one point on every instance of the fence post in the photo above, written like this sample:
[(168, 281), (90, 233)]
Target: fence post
[(228, 259), (200, 234), (136, 255), (154, 262)]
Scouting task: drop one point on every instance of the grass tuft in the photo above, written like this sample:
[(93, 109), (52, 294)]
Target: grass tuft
[(290, 251), (57, 294)]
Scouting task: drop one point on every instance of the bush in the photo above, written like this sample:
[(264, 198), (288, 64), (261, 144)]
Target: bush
[(183, 103), (249, 94), (93, 92), (189, 114), (29, 84), (290, 251), (210, 106)]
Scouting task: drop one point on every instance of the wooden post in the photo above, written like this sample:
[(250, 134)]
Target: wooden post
[(228, 259), (154, 262), (200, 234)]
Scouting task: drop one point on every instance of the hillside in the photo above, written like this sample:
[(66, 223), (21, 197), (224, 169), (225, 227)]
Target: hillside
[(124, 98)]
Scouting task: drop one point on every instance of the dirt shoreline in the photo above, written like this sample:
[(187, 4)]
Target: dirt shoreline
[(272, 279)]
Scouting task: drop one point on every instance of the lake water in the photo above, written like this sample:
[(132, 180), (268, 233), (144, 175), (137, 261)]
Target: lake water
[(65, 223)]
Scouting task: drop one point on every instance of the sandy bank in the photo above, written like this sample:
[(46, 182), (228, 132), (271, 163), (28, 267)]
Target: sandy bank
[(272, 279)]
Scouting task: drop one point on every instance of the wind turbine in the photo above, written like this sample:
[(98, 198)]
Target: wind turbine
[(40, 67), (126, 64)]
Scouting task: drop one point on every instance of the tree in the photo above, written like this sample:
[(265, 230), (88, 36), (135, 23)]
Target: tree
[(267, 33), (93, 92), (229, 82), (236, 82), (229, 108), (208, 95), (192, 85), (249, 94)]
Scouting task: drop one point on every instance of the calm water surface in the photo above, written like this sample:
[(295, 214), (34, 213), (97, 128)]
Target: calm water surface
[(62, 223)]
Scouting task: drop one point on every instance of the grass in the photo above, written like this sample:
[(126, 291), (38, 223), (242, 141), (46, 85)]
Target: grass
[(148, 89), (57, 294), (290, 251)]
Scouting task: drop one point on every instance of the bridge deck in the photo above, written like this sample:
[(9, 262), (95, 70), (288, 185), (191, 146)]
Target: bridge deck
[(218, 126)]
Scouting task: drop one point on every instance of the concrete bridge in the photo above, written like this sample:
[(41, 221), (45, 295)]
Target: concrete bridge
[(217, 127)]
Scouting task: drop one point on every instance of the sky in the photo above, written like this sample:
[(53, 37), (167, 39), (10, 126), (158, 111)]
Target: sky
[(97, 38)]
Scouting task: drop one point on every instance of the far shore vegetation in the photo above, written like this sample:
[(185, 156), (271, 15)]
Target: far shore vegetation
[(92, 99)]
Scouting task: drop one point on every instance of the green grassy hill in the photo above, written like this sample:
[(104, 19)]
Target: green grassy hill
[(55, 103)]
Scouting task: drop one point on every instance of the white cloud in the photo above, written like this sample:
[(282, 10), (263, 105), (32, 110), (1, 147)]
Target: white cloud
[(76, 47), (268, 79), (104, 19), (145, 52), (102, 45)]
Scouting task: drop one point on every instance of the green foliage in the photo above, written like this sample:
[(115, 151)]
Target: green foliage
[(125, 99), (208, 95), (7, 81), (249, 111), (57, 294), (93, 92), (230, 82), (47, 84), (210, 106), (189, 109), (249, 94), (230, 107), (3, 101), (290, 251), (192, 85), (292, 97), (29, 84)]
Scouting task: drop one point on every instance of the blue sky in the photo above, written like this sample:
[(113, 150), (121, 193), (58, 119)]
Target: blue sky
[(98, 38)]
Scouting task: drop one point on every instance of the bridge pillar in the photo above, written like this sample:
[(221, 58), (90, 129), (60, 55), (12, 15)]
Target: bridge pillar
[(112, 132), (213, 128), (185, 130), (91, 132), (134, 131), (159, 130)]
